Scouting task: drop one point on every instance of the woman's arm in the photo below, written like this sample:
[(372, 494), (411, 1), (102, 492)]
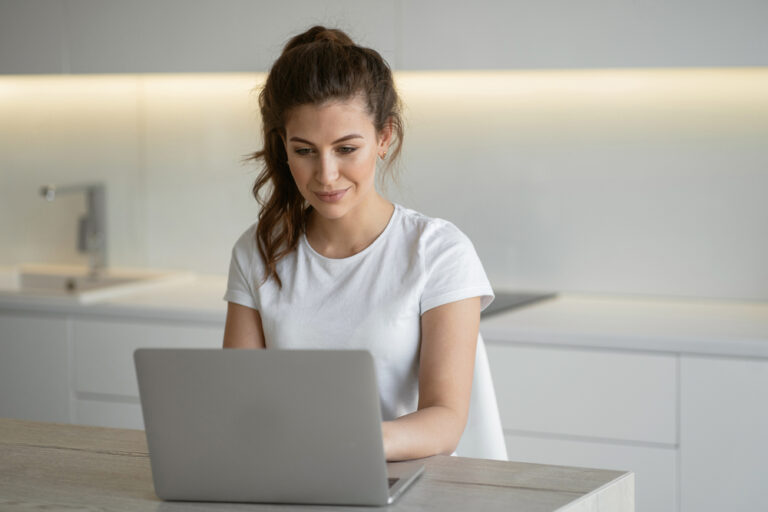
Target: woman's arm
[(243, 328), (447, 361)]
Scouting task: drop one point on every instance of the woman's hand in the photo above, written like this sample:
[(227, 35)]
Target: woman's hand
[(446, 365)]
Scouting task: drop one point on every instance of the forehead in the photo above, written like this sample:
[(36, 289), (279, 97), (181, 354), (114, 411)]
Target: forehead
[(329, 118)]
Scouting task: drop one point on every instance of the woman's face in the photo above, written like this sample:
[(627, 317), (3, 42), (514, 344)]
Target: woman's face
[(332, 150)]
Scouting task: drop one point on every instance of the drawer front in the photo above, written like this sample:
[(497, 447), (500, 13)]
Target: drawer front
[(590, 393), (103, 351), (654, 468), (108, 414), (34, 374), (723, 434)]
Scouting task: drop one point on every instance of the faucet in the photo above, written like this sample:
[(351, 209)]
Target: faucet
[(92, 227)]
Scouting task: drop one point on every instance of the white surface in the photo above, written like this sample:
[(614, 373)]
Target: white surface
[(31, 34), (589, 34), (483, 436), (655, 468), (34, 374), (103, 350), (724, 434), (104, 36), (595, 181), (51, 282), (636, 323), (599, 394), (198, 300), (104, 413), (111, 36), (576, 320)]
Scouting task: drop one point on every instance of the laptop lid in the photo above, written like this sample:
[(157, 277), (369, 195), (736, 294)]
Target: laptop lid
[(269, 426)]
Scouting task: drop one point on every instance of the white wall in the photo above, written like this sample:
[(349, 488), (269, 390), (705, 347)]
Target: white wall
[(622, 181), (612, 181), (648, 182)]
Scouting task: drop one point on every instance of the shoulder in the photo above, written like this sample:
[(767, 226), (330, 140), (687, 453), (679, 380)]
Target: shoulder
[(245, 251), (433, 233), (247, 240), (451, 266)]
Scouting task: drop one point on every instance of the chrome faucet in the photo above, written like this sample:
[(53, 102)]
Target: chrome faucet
[(92, 227)]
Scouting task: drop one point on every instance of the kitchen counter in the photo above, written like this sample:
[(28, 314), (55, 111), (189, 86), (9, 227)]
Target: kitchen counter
[(707, 327), (198, 299), (55, 466)]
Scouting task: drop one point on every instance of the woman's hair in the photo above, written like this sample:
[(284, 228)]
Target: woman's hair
[(315, 67)]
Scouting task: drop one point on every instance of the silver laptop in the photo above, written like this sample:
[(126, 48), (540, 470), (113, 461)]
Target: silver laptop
[(266, 426)]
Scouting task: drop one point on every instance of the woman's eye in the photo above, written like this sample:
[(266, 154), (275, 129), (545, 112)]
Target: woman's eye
[(347, 149), (303, 151)]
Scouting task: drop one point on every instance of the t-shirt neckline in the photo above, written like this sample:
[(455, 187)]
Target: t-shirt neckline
[(360, 254)]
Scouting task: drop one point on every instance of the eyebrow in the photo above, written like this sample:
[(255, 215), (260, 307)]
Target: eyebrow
[(346, 137)]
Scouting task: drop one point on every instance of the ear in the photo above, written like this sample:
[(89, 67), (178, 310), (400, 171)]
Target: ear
[(385, 136)]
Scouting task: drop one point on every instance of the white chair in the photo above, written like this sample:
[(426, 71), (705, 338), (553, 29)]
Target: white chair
[(483, 436)]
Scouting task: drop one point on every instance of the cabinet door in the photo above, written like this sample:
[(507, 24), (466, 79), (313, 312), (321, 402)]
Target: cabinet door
[(655, 467), (105, 385), (592, 408), (599, 394), (103, 350), (489, 34), (172, 36), (724, 434), (31, 37), (34, 368)]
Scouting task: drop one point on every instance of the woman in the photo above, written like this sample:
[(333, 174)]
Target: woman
[(331, 263)]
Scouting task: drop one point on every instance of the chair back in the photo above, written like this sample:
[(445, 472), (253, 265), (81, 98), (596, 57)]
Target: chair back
[(483, 436)]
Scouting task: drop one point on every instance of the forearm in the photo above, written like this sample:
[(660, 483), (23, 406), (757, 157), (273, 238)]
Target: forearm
[(429, 431)]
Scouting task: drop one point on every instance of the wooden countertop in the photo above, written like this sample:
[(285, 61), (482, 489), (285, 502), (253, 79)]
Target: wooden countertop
[(55, 466)]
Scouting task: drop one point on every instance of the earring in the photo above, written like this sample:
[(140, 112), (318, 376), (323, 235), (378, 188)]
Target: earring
[(383, 155)]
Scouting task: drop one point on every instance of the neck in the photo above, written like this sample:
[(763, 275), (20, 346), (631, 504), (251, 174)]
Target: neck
[(346, 236)]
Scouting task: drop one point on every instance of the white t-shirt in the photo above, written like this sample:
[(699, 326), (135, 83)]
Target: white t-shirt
[(372, 300)]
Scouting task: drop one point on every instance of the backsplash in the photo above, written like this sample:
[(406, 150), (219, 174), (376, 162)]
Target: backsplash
[(644, 182)]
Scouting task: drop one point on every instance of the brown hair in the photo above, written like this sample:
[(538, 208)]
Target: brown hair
[(315, 67)]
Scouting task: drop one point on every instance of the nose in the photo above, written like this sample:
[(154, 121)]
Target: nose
[(327, 171)]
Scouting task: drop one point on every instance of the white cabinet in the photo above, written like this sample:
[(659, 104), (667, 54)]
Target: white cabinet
[(147, 36), (489, 34), (103, 350), (74, 369), (655, 467), (590, 393), (34, 369), (592, 408), (724, 434), (105, 385), (31, 36), (144, 36)]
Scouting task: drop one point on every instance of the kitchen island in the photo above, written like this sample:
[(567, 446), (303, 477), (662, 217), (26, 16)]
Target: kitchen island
[(73, 467)]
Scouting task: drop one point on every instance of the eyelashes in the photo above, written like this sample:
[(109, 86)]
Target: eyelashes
[(344, 150)]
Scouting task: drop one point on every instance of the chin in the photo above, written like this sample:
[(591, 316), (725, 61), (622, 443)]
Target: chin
[(331, 211)]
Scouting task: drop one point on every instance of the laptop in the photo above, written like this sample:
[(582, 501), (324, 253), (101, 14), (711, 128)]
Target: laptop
[(266, 426)]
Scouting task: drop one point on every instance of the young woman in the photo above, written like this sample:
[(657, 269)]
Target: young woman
[(331, 263)]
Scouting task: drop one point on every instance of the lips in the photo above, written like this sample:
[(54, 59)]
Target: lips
[(332, 196)]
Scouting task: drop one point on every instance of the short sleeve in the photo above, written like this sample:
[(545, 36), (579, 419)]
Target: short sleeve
[(240, 283), (453, 269)]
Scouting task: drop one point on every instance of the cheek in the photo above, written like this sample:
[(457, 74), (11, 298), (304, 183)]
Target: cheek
[(300, 176), (364, 167)]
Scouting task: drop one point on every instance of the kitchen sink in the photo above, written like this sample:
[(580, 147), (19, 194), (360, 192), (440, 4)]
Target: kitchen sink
[(76, 283)]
